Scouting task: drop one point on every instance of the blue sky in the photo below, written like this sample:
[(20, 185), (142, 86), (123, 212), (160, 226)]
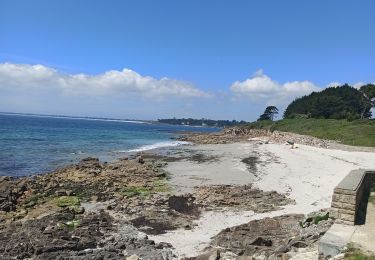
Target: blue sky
[(223, 59)]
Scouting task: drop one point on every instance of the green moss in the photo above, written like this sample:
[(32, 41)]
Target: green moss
[(319, 218), (34, 200), (132, 191), (70, 224), (161, 186), (67, 201), (357, 132)]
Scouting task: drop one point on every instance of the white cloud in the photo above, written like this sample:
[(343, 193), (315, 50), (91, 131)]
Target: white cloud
[(334, 84), (357, 85), (24, 76), (262, 88)]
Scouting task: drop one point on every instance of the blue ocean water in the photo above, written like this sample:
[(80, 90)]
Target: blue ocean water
[(36, 144)]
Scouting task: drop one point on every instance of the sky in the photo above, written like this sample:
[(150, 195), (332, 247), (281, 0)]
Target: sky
[(164, 58)]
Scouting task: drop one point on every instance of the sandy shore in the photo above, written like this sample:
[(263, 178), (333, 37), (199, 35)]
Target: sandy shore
[(307, 174)]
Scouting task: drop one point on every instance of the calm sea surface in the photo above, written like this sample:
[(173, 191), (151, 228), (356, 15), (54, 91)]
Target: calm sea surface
[(36, 144)]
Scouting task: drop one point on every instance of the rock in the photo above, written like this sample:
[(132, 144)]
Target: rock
[(269, 238), (238, 134), (77, 209), (215, 255), (95, 236), (10, 191), (140, 159), (132, 257), (243, 197), (228, 256), (64, 193)]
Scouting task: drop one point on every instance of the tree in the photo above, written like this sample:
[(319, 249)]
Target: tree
[(269, 113), (368, 92), (344, 102)]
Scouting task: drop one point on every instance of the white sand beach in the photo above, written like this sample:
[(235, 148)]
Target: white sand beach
[(307, 174)]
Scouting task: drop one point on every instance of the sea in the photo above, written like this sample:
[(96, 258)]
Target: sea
[(33, 144)]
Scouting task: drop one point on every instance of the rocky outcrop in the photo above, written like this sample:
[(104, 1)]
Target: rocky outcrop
[(10, 191), (95, 210), (240, 134), (268, 238), (244, 197), (65, 235)]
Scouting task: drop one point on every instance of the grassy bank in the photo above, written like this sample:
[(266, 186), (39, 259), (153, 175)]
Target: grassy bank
[(358, 132)]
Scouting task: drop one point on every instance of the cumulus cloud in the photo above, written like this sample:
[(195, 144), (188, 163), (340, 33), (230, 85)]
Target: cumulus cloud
[(356, 85), (334, 84), (114, 82), (359, 84), (262, 88)]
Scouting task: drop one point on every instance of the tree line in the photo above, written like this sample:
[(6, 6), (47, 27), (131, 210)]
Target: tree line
[(342, 102), (201, 122)]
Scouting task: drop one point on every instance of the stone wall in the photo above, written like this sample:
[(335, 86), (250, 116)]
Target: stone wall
[(349, 200)]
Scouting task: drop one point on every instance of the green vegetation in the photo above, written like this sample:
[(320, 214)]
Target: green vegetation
[(200, 122), (161, 186), (269, 113), (67, 201), (353, 253), (371, 199), (131, 191), (142, 191), (358, 132), (313, 220), (34, 200), (343, 102), (319, 218), (70, 224)]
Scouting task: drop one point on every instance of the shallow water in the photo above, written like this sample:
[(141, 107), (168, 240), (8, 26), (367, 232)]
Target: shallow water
[(35, 144)]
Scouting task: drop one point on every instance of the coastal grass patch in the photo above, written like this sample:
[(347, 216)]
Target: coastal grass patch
[(71, 225), (359, 132), (354, 253), (132, 191), (371, 198), (67, 201), (159, 185), (313, 220), (34, 200), (320, 218)]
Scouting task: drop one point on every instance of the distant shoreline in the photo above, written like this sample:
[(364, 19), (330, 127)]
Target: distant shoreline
[(81, 117)]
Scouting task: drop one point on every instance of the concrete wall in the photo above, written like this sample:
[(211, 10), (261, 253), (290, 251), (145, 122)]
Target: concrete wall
[(349, 199)]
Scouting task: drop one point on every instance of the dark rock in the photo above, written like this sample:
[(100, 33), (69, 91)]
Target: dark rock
[(51, 237), (270, 238)]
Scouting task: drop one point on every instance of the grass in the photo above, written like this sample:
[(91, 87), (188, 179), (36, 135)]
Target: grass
[(71, 225), (161, 186), (67, 201), (353, 253), (34, 200), (371, 199), (132, 191), (158, 186), (358, 132), (319, 218)]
